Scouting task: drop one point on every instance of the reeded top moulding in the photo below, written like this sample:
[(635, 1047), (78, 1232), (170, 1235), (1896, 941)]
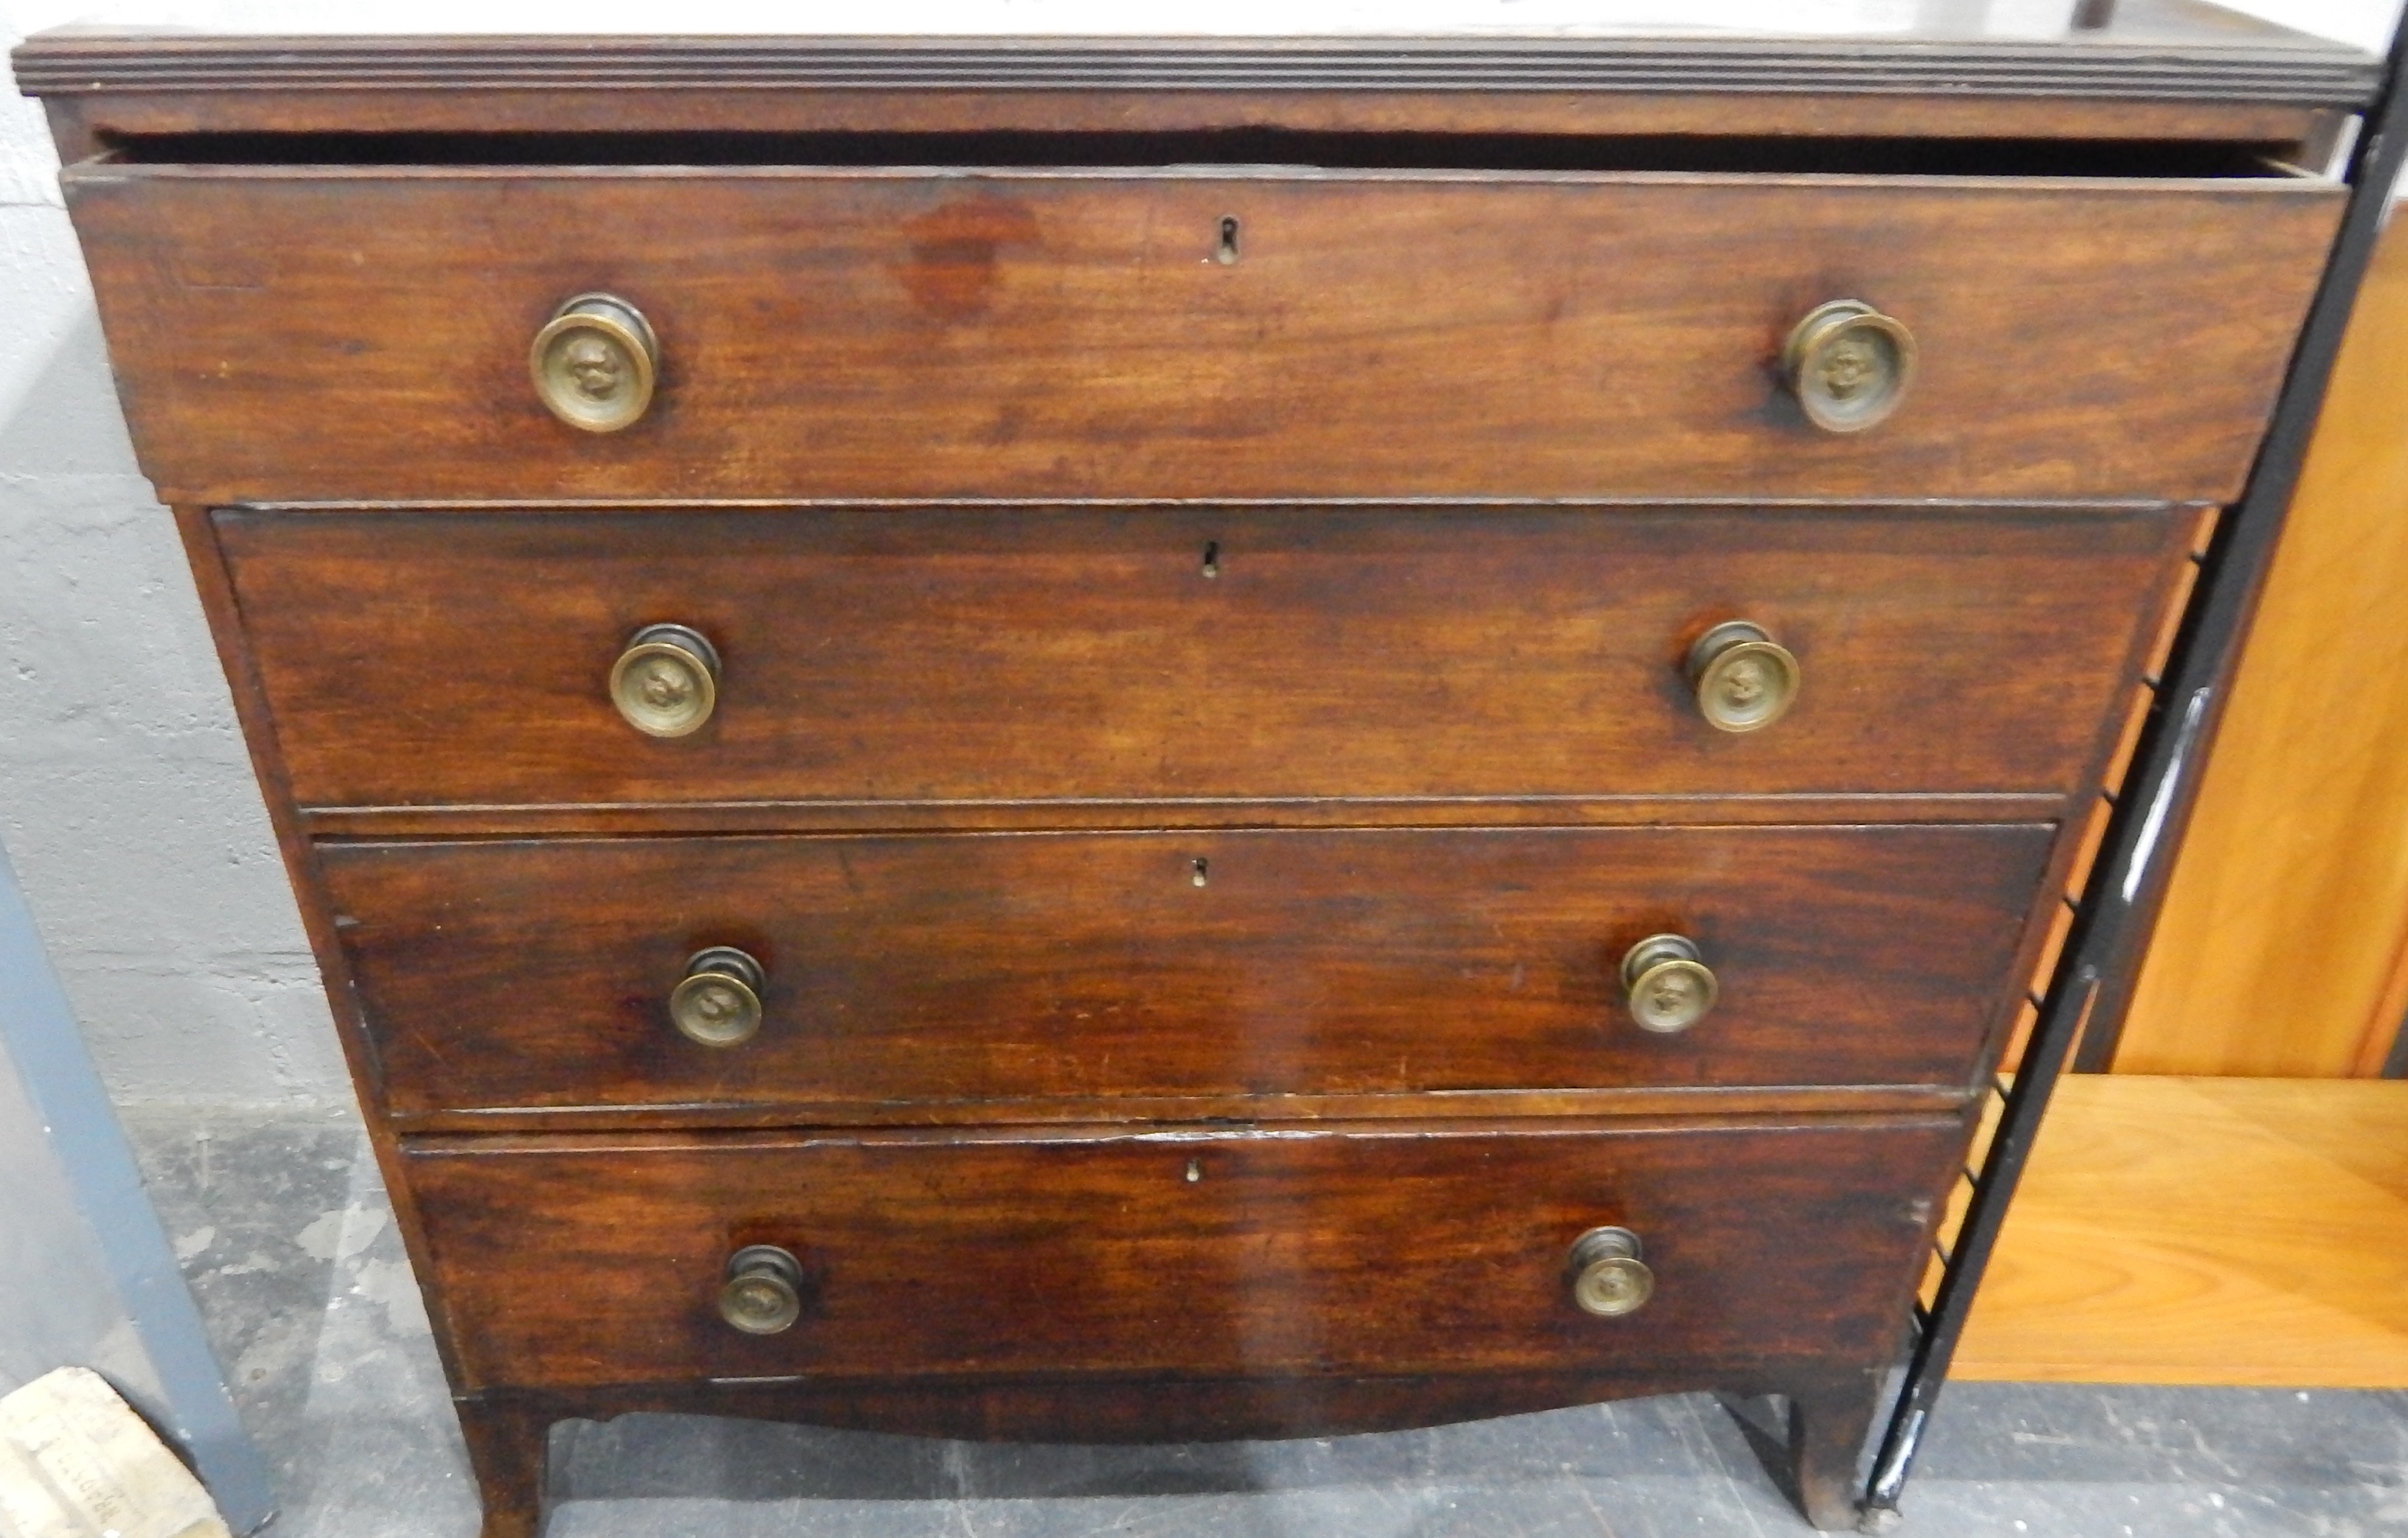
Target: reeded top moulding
[(2157, 68)]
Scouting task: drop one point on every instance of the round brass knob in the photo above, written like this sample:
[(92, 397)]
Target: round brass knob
[(666, 682), (595, 363), (762, 1293), (1745, 680), (718, 1002), (1671, 987), (1608, 1279), (1849, 364)]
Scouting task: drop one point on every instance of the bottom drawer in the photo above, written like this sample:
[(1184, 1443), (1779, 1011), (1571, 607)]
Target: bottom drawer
[(1246, 1252)]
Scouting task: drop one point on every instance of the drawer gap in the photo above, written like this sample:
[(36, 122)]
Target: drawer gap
[(1253, 148)]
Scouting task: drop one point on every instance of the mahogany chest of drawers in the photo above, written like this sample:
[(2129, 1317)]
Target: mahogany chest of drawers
[(1114, 739)]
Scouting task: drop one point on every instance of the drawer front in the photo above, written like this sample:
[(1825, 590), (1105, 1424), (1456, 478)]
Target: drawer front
[(1422, 1250), (871, 333), (985, 653), (971, 968)]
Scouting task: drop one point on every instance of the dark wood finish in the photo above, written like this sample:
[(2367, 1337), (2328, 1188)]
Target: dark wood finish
[(1414, 1249), (216, 592), (882, 333), (1827, 1426), (1093, 966), (347, 823), (1095, 1411), (86, 124), (2154, 50), (1108, 1412), (508, 1446), (1430, 747), (1067, 653), (1024, 1111)]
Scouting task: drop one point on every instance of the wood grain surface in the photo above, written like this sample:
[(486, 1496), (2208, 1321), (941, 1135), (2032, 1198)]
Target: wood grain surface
[(88, 124), (884, 333), (1408, 550), (2140, 50), (2282, 946), (216, 592), (983, 653), (2088, 822), (1400, 1250), (1736, 809), (507, 1429), (1094, 967), (2206, 1230), (1154, 1409)]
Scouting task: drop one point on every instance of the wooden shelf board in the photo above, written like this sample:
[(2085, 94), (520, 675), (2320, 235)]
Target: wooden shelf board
[(2198, 1231)]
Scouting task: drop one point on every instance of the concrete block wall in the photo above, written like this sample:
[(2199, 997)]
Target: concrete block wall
[(126, 800)]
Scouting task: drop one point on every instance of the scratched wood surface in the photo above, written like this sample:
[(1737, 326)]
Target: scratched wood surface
[(1017, 333), (1101, 967), (1459, 338), (970, 653), (86, 123), (1404, 1250)]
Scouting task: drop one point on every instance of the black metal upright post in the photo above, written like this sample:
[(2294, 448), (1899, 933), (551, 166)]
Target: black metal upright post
[(2086, 997)]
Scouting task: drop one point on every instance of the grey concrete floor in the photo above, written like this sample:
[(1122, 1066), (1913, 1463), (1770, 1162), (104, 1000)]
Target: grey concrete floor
[(290, 1246)]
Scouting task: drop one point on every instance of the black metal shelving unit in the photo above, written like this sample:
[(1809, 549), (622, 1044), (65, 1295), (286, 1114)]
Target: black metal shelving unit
[(2087, 995)]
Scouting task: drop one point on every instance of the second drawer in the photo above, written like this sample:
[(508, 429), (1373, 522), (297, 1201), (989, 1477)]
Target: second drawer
[(432, 659), (971, 968)]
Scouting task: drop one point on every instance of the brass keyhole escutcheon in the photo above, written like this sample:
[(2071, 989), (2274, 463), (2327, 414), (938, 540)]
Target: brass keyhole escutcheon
[(1743, 678), (665, 683), (1849, 365), (1608, 1278), (1669, 985), (595, 363), (718, 1002), (762, 1293)]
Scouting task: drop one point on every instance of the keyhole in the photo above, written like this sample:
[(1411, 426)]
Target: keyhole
[(1194, 1171), (1212, 558), (1227, 253), (1202, 870)]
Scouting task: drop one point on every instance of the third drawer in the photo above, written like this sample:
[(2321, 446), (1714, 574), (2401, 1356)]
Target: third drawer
[(984, 973)]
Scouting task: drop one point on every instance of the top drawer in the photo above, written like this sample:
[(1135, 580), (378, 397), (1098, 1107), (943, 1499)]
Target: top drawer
[(349, 333)]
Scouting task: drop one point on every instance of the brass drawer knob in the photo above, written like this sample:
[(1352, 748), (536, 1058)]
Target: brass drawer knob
[(718, 1002), (595, 363), (1745, 680), (1849, 364), (1669, 985), (1608, 1279), (762, 1293), (666, 682)]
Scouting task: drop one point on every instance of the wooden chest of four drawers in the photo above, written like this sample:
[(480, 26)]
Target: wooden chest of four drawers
[(1169, 753)]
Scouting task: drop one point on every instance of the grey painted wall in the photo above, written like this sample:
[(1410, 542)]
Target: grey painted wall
[(125, 792), (125, 797)]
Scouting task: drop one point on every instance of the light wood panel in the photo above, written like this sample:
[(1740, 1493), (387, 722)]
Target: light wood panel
[(2280, 950), (2205, 1230)]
